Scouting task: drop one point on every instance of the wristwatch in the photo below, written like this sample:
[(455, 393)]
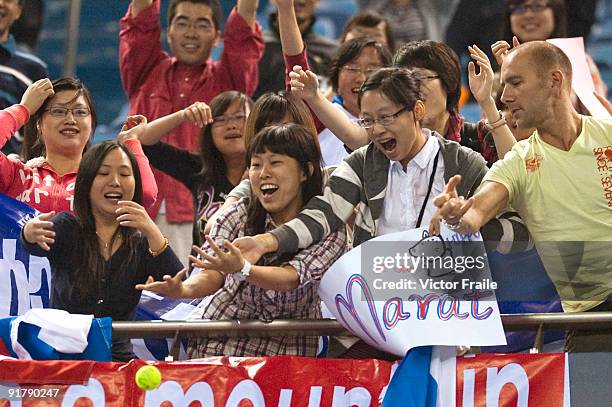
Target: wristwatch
[(244, 272)]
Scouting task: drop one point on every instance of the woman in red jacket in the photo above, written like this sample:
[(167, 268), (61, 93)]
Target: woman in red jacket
[(62, 119)]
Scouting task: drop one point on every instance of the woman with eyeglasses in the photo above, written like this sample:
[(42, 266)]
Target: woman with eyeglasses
[(220, 163), (538, 20), (354, 61), (59, 119), (440, 78), (440, 72), (392, 180)]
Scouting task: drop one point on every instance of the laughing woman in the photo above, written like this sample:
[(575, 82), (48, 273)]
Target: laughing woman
[(107, 247), (285, 173)]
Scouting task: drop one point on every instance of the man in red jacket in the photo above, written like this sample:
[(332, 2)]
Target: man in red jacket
[(158, 84)]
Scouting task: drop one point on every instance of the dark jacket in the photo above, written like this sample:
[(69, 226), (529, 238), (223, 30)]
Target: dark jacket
[(272, 64)]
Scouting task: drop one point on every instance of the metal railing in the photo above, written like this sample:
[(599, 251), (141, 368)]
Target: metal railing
[(316, 327), (255, 328)]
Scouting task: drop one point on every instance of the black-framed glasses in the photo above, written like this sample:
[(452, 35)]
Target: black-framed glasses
[(58, 111), (223, 120), (522, 8), (385, 120)]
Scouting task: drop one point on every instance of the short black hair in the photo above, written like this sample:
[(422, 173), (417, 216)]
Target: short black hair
[(215, 6), (369, 19), (297, 142), (438, 57), (400, 85), (350, 50)]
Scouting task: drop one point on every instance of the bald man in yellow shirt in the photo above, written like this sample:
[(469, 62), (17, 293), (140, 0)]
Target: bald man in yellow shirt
[(559, 180)]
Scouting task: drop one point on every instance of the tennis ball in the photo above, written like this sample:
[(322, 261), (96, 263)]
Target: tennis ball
[(148, 377)]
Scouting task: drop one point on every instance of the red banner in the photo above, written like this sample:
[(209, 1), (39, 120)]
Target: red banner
[(276, 381), (511, 380)]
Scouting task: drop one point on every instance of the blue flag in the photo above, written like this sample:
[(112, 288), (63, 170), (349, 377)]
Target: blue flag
[(412, 385), (24, 279)]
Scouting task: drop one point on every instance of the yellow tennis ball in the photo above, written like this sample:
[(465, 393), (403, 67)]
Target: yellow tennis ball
[(148, 377)]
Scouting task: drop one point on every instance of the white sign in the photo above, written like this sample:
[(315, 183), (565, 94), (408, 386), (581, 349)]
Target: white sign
[(433, 307), (582, 80)]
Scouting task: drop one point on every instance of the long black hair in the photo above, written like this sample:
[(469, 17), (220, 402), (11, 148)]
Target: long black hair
[(92, 267), (214, 170), (32, 144), (297, 142)]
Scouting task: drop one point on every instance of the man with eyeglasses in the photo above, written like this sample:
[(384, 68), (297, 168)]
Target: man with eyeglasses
[(158, 84)]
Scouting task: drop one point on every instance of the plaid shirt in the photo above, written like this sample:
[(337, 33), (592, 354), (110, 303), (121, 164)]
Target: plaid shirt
[(242, 300), (480, 141)]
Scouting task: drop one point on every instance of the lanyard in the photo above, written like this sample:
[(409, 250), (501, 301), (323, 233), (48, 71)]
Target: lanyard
[(431, 181)]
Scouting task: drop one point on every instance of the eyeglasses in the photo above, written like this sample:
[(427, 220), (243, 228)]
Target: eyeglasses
[(383, 120), (427, 78), (57, 111), (224, 120), (522, 8), (355, 70), (181, 25)]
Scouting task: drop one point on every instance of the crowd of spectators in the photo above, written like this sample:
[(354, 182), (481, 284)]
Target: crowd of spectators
[(223, 165)]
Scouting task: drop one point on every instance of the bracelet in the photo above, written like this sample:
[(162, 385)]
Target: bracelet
[(156, 253), (497, 123)]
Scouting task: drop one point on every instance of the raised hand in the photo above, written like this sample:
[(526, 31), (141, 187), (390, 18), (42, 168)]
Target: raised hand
[(36, 94), (481, 83), (133, 128), (199, 114), (171, 287), (226, 262), (501, 48), (304, 83), (40, 230), (451, 208)]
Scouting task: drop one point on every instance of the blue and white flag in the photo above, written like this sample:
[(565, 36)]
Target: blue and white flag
[(25, 280), (48, 334), (426, 377)]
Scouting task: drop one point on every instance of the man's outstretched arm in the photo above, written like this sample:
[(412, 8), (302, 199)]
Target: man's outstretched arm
[(467, 216)]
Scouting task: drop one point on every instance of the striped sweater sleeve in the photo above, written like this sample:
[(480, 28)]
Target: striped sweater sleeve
[(507, 233), (325, 213)]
